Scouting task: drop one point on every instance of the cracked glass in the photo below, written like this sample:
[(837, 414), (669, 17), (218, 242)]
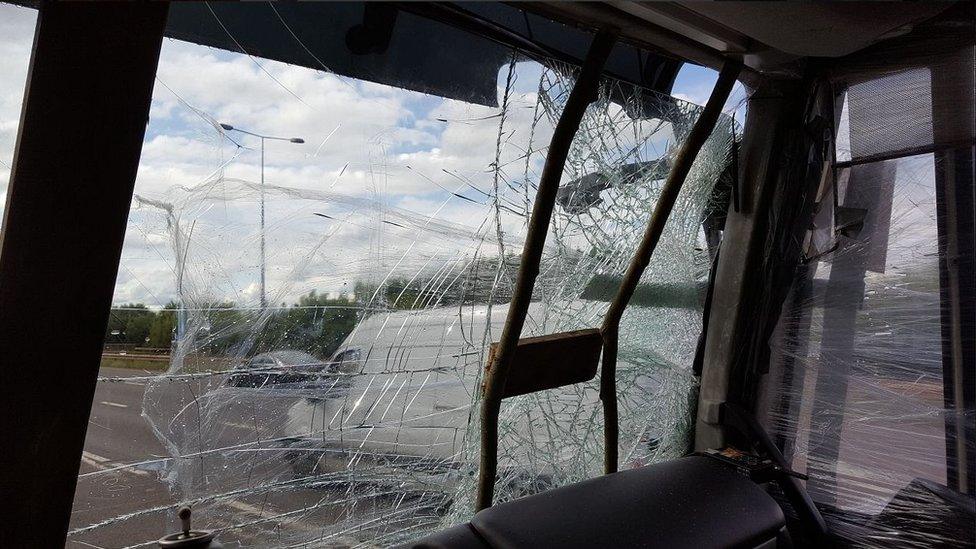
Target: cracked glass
[(300, 328)]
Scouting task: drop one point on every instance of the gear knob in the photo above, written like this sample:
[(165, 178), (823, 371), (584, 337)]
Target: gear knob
[(201, 539)]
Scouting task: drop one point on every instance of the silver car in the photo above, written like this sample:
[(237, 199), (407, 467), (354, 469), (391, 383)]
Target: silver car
[(278, 368)]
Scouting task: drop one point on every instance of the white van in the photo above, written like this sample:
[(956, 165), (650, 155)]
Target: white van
[(401, 391)]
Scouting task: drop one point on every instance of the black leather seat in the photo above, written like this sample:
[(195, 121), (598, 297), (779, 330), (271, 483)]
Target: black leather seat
[(692, 502), (462, 536)]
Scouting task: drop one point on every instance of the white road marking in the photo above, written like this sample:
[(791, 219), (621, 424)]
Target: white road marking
[(88, 544), (246, 507), (102, 463), (87, 460), (95, 457), (114, 404), (238, 425), (286, 522)]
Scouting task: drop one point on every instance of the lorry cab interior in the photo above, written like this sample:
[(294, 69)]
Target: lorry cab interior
[(484, 275)]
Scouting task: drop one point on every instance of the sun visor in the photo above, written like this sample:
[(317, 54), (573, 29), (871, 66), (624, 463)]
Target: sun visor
[(446, 50)]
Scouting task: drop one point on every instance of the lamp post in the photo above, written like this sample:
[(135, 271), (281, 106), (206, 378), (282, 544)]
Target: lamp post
[(229, 128)]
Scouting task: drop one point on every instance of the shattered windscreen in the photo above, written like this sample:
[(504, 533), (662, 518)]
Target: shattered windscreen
[(300, 327)]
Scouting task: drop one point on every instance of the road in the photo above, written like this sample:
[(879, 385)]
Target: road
[(120, 476), (122, 499), (118, 435)]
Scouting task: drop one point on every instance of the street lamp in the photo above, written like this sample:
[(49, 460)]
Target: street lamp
[(230, 128)]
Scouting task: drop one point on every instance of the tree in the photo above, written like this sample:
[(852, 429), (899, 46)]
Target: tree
[(316, 324), (163, 326), (129, 324)]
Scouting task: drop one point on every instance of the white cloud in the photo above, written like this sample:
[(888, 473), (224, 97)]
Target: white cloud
[(398, 151)]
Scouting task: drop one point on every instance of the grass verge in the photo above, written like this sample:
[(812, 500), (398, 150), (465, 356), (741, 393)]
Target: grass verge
[(153, 364)]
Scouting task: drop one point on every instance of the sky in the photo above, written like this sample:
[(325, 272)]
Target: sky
[(379, 166)]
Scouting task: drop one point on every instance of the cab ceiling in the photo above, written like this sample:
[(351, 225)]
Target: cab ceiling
[(767, 36)]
